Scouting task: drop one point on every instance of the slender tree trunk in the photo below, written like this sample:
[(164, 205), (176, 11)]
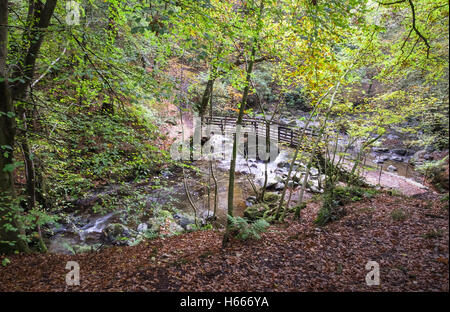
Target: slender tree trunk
[(294, 158), (206, 95), (211, 168), (235, 143)]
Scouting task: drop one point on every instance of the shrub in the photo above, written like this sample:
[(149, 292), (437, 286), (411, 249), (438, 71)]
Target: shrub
[(335, 198), (243, 230), (437, 172)]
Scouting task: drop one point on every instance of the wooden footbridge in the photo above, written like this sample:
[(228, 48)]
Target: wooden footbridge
[(280, 132)]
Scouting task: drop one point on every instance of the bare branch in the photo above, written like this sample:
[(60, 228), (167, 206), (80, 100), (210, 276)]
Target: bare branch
[(415, 28)]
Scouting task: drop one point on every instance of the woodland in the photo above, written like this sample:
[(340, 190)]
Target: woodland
[(224, 145)]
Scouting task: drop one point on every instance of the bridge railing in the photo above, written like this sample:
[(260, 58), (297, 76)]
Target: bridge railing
[(283, 132)]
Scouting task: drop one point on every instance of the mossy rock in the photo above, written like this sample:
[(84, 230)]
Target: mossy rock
[(256, 211), (116, 233), (271, 197)]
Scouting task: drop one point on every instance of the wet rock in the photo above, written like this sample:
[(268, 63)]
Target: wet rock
[(250, 201), (313, 171), (397, 158), (283, 164), (391, 168), (270, 183), (380, 149), (279, 186), (428, 157), (315, 189), (381, 159), (56, 229), (419, 154), (184, 221), (208, 214), (400, 151), (116, 234), (297, 178)]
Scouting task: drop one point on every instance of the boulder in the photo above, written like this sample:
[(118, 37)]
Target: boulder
[(174, 228), (315, 189), (380, 149), (313, 171), (270, 197), (381, 159), (142, 227), (391, 168), (183, 220), (397, 158), (400, 151), (208, 214), (283, 164), (116, 234), (250, 201), (191, 227), (256, 211), (419, 155)]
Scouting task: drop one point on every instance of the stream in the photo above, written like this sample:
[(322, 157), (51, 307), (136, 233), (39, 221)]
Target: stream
[(167, 210)]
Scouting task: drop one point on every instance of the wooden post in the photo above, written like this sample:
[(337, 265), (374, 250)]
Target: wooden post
[(379, 176), (257, 141)]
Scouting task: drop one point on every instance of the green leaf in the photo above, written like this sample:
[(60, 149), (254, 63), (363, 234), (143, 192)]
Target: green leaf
[(5, 262)]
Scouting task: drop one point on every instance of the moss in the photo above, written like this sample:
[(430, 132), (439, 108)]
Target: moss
[(271, 197), (256, 211)]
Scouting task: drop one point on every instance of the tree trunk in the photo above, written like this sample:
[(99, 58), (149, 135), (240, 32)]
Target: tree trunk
[(7, 137), (39, 18), (236, 137), (206, 95)]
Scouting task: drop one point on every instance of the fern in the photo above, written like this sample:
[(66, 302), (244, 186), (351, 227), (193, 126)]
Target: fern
[(244, 230)]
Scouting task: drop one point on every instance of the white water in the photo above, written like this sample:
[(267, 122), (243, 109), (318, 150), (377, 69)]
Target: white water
[(95, 227)]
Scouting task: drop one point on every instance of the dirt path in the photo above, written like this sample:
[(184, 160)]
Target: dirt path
[(389, 180)]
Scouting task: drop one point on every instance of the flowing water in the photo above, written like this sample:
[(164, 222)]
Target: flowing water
[(86, 230)]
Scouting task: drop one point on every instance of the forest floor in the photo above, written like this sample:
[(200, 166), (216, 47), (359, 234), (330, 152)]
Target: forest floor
[(407, 236)]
